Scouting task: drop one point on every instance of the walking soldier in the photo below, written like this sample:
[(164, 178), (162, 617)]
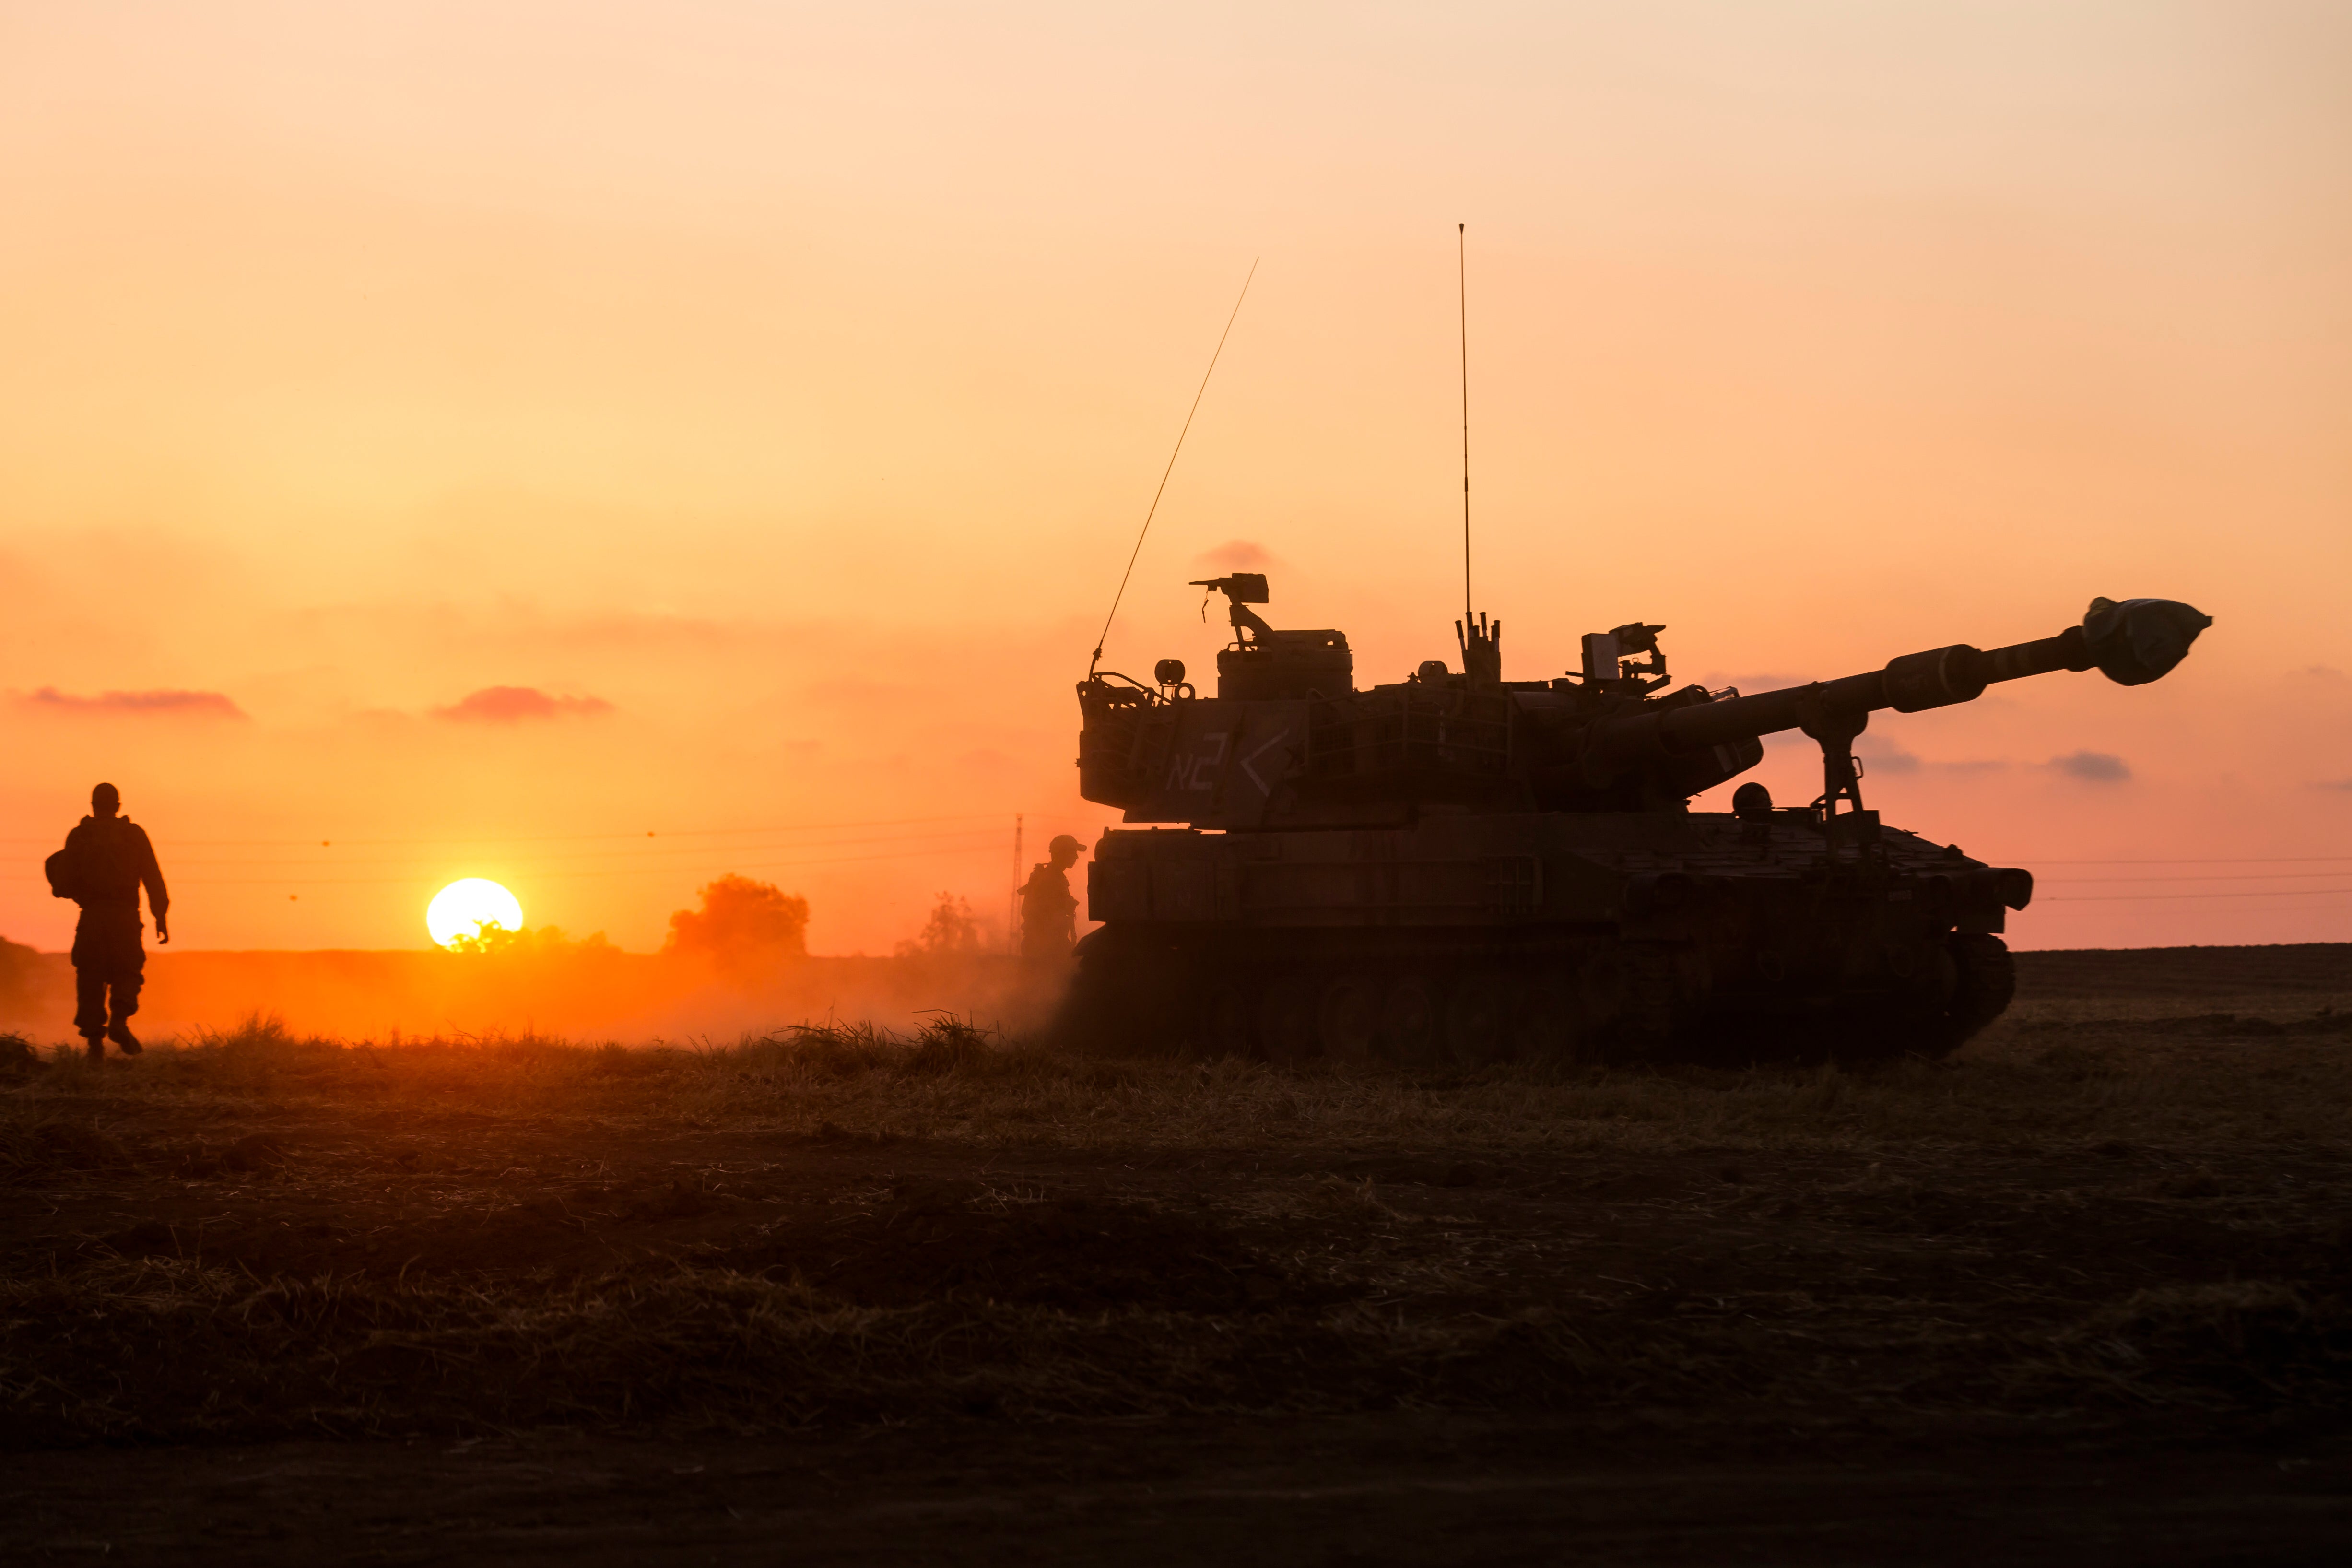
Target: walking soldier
[(106, 861)]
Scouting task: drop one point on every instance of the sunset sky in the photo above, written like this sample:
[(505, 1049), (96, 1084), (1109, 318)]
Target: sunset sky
[(444, 440)]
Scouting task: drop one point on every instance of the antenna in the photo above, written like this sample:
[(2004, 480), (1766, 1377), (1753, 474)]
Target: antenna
[(1462, 274), (1170, 468), (1482, 643)]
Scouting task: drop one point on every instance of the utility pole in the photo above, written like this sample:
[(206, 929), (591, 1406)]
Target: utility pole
[(1013, 910)]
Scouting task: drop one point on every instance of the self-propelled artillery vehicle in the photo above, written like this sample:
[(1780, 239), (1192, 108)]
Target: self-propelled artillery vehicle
[(1456, 868)]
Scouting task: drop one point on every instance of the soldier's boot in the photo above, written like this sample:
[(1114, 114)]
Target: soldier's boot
[(120, 1032), (97, 1047)]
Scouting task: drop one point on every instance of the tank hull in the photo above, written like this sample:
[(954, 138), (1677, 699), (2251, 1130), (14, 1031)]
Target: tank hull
[(1465, 938)]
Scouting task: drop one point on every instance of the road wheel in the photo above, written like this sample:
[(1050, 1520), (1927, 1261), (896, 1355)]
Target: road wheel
[(1983, 987), (1665, 993), (1602, 985), (1409, 1025), (1349, 1017), (1547, 1021), (1478, 1019), (1979, 978), (1116, 998), (1222, 1024), (1286, 1024)]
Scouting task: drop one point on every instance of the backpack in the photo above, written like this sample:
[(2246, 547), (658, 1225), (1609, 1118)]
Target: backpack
[(64, 871), (85, 867)]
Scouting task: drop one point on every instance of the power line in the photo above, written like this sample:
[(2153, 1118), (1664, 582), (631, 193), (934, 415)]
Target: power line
[(2226, 877), (714, 868), (994, 817), (2141, 898), (2208, 860), (645, 854), (555, 837)]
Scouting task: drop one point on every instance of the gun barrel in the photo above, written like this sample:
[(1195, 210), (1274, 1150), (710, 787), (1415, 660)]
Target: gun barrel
[(2132, 643)]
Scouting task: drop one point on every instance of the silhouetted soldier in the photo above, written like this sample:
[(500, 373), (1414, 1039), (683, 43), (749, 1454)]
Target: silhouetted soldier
[(106, 861), (1048, 913)]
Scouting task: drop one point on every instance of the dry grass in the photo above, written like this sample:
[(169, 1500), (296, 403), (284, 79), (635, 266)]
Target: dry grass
[(178, 1352), (251, 1233), (2041, 1077)]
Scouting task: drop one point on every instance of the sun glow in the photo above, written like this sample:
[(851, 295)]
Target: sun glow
[(467, 907)]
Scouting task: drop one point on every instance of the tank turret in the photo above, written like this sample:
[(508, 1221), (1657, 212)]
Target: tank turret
[(1288, 741), (1523, 854)]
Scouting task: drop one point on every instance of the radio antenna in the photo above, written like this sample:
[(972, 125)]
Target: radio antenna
[(1462, 276), (1154, 510)]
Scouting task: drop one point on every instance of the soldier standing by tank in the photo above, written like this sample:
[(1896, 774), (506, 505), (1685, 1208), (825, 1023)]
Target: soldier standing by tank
[(1049, 912), (106, 861)]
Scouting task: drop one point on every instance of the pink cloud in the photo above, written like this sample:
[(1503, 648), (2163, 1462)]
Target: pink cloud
[(513, 704), (196, 704), (2093, 767)]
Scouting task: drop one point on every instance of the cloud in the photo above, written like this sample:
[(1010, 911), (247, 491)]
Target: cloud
[(186, 704), (513, 704), (2343, 785), (1236, 556), (2093, 767)]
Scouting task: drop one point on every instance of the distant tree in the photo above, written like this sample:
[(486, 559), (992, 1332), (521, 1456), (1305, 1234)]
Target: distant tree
[(494, 939), (742, 923), (952, 930), (491, 940)]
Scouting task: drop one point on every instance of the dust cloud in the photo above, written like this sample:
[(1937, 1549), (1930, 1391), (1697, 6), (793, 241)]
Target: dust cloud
[(735, 966)]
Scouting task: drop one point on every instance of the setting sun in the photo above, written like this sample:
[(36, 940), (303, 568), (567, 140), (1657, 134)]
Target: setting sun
[(468, 907)]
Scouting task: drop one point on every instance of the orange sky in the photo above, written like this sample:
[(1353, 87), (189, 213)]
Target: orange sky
[(776, 389)]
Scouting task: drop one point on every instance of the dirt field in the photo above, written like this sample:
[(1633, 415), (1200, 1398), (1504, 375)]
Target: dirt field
[(2084, 1291)]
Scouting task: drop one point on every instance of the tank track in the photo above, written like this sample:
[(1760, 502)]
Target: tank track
[(1428, 1003)]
